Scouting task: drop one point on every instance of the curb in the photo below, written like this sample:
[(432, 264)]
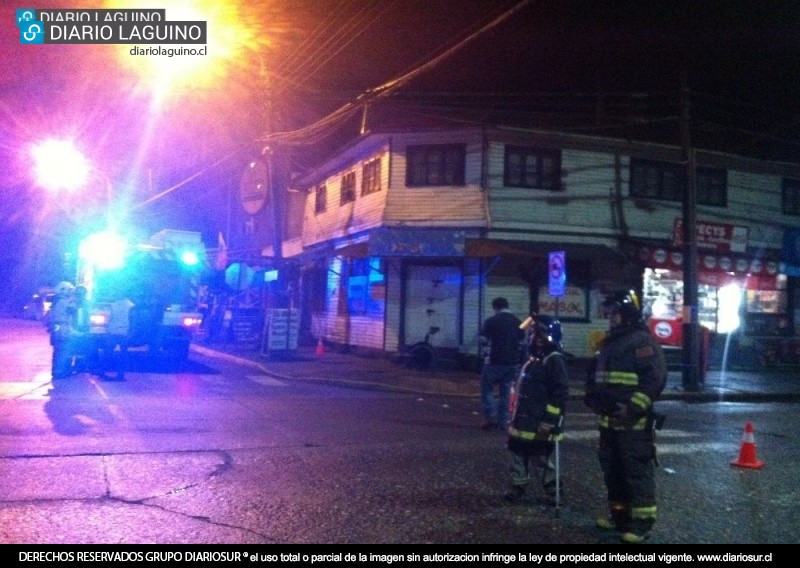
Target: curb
[(340, 382), (574, 394)]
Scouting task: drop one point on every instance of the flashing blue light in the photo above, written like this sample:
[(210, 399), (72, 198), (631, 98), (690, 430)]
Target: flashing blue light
[(190, 258), (270, 275), (104, 250)]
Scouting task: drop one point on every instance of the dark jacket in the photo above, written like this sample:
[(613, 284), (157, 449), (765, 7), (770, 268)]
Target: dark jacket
[(629, 369), (541, 395), (505, 337), (59, 319)]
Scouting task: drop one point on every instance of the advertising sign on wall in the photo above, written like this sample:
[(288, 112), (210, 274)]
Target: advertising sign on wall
[(573, 304), (717, 237)]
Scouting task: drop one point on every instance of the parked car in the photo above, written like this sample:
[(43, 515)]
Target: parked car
[(38, 305)]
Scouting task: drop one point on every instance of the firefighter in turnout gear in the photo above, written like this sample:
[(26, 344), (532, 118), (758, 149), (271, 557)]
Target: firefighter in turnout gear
[(59, 322), (627, 376), (537, 415)]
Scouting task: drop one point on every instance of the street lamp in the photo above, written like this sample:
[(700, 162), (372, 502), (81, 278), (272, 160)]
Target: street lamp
[(58, 165)]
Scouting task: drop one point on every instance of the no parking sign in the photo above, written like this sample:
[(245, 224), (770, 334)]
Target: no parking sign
[(557, 270)]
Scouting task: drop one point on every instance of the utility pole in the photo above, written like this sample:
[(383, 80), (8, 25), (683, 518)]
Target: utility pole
[(274, 180), (691, 325)]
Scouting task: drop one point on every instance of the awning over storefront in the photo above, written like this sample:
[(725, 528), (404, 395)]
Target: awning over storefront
[(407, 241), (353, 250), (489, 248)]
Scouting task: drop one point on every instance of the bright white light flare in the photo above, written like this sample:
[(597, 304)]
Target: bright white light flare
[(229, 36), (104, 250), (58, 164), (729, 298)]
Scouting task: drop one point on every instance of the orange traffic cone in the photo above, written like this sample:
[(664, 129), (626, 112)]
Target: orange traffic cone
[(320, 350), (747, 453)]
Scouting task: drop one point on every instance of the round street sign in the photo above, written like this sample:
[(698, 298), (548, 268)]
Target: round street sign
[(556, 267), (557, 273), (254, 186)]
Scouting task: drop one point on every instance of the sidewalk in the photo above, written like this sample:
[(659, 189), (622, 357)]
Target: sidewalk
[(348, 369)]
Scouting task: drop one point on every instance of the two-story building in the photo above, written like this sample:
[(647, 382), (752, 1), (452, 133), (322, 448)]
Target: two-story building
[(407, 230)]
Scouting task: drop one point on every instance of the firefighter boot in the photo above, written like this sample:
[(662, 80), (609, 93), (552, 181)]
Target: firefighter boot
[(638, 532), (618, 520)]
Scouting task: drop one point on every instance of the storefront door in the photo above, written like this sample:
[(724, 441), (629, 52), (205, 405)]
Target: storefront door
[(432, 299)]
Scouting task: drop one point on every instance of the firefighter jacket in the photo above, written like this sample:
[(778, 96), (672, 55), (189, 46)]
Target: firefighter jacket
[(627, 376), (541, 395), (59, 319)]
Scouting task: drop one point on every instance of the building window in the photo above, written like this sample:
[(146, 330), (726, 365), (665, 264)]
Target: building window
[(532, 167), (712, 187), (666, 180), (366, 288), (657, 180), (371, 177), (348, 194), (432, 165), (320, 199), (791, 197)]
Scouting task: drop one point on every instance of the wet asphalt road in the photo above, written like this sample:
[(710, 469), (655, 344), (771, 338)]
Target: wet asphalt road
[(209, 452)]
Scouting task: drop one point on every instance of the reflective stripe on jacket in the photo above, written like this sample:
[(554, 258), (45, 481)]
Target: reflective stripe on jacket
[(542, 390), (629, 370)]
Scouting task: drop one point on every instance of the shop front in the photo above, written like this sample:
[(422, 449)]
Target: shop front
[(743, 301)]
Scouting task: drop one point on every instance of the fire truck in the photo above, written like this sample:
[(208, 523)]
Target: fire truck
[(160, 277)]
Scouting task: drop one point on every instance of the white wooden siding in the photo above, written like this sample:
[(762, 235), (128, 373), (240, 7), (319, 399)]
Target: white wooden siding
[(584, 204), (593, 180), (755, 201), (437, 206), (342, 328), (594, 207), (364, 213)]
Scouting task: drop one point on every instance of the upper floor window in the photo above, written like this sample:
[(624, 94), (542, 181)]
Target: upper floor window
[(712, 186), (348, 194), (532, 167), (657, 180), (667, 180), (371, 177), (791, 197), (320, 199), (440, 164)]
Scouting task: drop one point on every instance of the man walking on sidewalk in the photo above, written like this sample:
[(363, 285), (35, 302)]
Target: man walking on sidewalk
[(504, 335)]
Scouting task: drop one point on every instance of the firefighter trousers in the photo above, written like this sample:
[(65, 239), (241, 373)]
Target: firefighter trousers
[(627, 459)]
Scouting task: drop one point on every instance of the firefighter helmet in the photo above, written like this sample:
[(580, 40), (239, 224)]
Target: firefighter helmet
[(549, 328), (63, 288), (626, 304)]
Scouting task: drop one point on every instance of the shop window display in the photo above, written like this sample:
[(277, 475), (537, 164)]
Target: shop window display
[(720, 304)]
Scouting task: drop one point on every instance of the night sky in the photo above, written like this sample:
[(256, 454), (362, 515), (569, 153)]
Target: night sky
[(563, 63)]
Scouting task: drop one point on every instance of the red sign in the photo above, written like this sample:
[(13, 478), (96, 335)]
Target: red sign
[(716, 269), (717, 237), (667, 332)]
